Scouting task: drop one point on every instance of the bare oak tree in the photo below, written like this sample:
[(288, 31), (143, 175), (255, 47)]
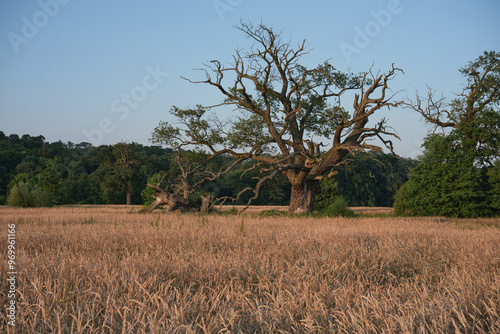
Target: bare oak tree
[(283, 112)]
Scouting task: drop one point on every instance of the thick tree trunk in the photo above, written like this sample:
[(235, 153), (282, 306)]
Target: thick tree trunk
[(303, 196), (206, 204), (129, 198)]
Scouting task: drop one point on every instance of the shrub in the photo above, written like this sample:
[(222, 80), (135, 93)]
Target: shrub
[(26, 195), (147, 193), (327, 196), (338, 207)]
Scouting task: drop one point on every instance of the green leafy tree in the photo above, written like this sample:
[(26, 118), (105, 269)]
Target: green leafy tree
[(369, 179), (280, 107), (188, 170), (22, 178), (51, 177), (77, 186), (445, 183), (458, 171), (372, 178), (12, 153), (119, 174), (26, 195)]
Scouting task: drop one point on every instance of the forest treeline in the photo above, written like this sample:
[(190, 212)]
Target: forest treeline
[(67, 173)]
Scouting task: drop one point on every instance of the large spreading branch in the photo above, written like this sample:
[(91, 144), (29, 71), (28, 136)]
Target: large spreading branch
[(433, 110), (352, 134), (482, 89)]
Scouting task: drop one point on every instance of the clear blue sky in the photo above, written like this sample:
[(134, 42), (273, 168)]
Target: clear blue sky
[(65, 65)]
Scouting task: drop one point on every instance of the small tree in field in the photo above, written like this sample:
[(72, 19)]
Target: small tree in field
[(281, 112)]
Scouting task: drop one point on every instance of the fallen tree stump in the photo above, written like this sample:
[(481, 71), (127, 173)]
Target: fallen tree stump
[(172, 201), (175, 202)]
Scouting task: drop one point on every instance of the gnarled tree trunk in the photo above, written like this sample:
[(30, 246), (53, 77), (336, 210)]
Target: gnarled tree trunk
[(303, 196)]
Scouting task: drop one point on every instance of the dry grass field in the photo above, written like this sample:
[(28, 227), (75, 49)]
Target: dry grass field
[(257, 209), (108, 269)]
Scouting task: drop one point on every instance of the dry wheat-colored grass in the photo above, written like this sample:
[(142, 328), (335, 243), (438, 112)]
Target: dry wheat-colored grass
[(111, 270), (259, 208)]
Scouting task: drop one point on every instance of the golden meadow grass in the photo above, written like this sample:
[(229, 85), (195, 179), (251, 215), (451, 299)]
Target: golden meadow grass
[(112, 270)]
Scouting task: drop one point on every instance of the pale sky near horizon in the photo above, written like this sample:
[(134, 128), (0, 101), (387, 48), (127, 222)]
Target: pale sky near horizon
[(109, 71)]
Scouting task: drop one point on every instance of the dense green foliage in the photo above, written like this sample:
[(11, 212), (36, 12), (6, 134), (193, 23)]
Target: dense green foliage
[(26, 195), (77, 173), (147, 193), (445, 183), (82, 174), (450, 182), (370, 179)]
